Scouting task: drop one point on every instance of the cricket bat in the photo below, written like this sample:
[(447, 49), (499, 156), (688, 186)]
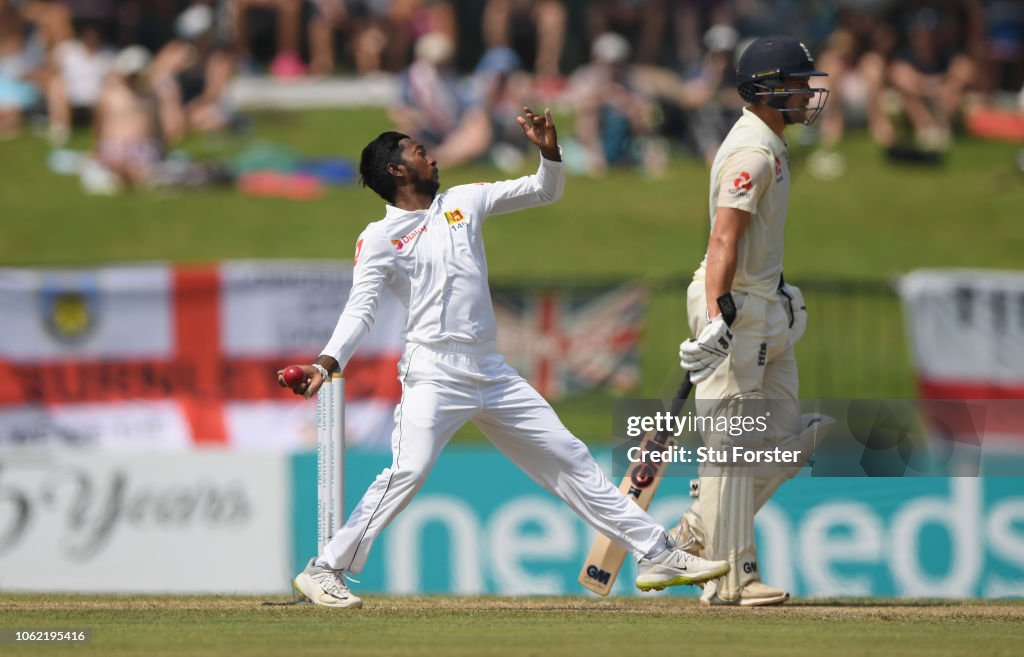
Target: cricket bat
[(639, 484)]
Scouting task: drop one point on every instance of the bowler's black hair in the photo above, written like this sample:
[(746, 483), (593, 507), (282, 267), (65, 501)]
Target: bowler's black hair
[(373, 165)]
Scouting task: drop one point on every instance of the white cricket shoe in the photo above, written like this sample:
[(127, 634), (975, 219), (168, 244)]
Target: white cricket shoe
[(675, 566), (325, 587), (683, 537), (754, 594)]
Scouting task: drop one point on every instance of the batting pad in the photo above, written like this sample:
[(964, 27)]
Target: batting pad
[(727, 505), (814, 427)]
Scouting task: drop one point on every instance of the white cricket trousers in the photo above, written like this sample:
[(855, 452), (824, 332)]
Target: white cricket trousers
[(762, 363), (445, 386)]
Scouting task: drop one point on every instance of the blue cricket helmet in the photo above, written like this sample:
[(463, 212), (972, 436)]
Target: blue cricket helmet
[(767, 63)]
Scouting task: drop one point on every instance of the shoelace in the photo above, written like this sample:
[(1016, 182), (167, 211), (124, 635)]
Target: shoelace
[(691, 557), (678, 556), (332, 582), (688, 545), (685, 547)]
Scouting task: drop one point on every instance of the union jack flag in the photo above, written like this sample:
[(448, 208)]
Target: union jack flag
[(565, 342)]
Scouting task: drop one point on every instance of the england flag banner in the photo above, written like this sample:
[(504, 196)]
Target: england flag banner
[(157, 356), (966, 330)]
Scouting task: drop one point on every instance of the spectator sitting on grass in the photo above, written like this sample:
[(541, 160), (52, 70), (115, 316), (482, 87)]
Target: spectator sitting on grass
[(615, 121), (80, 65), (127, 128), (709, 98), (855, 58), (191, 75), (431, 105), (498, 91), (19, 65), (931, 79)]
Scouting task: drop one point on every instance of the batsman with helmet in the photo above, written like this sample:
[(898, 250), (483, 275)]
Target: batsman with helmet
[(746, 319)]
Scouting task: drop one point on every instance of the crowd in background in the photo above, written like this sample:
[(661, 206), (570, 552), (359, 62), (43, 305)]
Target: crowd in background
[(642, 77)]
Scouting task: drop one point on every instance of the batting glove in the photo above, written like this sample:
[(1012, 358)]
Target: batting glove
[(796, 309), (702, 355)]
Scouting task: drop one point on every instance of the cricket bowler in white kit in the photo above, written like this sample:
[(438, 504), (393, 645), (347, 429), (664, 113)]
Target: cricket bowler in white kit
[(747, 319), (428, 249)]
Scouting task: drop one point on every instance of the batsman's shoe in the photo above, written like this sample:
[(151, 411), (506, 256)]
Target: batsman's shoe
[(754, 594), (325, 587), (674, 567)]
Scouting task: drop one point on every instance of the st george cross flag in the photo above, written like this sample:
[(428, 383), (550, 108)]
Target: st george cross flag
[(157, 356)]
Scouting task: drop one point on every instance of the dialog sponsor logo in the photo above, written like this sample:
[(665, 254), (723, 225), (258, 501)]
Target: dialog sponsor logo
[(407, 239)]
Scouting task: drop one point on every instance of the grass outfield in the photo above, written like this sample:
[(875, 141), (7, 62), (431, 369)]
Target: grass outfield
[(876, 221), (396, 627)]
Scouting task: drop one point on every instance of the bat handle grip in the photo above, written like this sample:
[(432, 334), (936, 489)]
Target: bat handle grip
[(680, 399)]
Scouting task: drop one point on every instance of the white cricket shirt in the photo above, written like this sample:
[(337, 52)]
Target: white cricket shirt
[(751, 173), (434, 262)]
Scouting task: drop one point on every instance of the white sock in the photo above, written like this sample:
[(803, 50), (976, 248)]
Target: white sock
[(658, 547)]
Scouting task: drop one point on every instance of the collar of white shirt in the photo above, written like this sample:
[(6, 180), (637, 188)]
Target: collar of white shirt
[(393, 212), (763, 128)]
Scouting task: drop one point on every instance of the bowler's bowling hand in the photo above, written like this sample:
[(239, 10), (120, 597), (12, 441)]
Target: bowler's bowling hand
[(303, 380), (540, 130)]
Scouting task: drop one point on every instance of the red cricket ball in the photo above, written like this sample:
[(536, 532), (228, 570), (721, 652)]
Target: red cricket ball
[(293, 375)]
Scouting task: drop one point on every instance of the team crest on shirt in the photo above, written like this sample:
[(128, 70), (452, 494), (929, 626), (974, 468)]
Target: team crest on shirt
[(778, 169), (456, 220)]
